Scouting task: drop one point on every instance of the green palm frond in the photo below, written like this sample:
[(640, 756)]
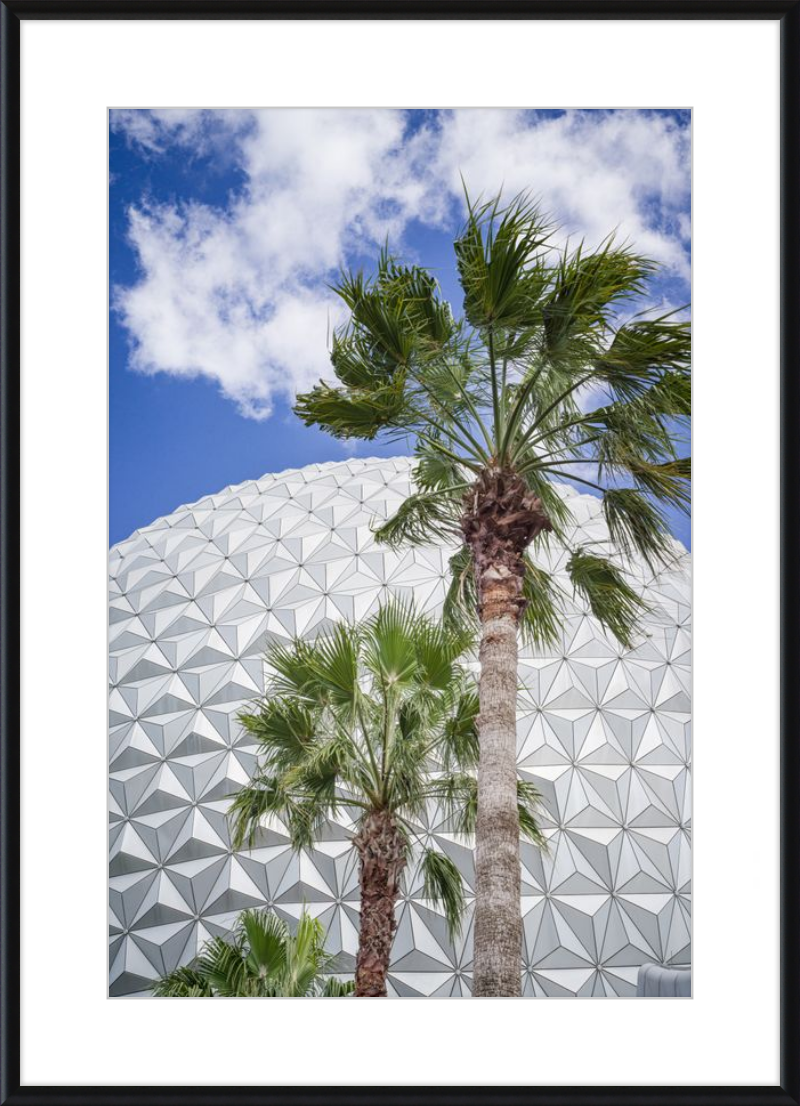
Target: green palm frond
[(541, 616), (626, 434), (305, 818), (444, 886), (334, 663), (668, 482), (292, 674), (528, 805), (223, 965), (500, 261), (379, 320), (183, 982), (353, 413), (639, 354), (586, 289), (354, 365), (284, 728), (305, 957), (438, 649), (399, 311), (265, 936), (422, 517), (337, 988), (457, 794), (636, 524), (390, 652), (314, 777), (251, 805), (435, 471), (416, 294), (612, 601), (459, 744), (670, 396), (459, 612)]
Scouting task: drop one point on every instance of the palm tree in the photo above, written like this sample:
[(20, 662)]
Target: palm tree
[(261, 959), (376, 719), (549, 373)]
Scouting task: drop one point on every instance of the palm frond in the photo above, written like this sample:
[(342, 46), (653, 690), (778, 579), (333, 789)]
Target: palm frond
[(639, 353), (291, 672), (337, 988), (612, 601), (627, 434), (313, 785), (390, 645), (183, 982), (223, 965), (499, 254), (460, 610), (416, 296), (668, 482), (457, 794), (305, 958), (438, 648), (353, 365), (305, 818), (541, 621), (586, 288), (379, 320), (353, 413), (435, 471), (616, 606), (334, 663), (284, 729), (264, 795), (443, 885), (266, 937), (528, 806), (671, 395), (636, 524), (420, 518), (459, 744)]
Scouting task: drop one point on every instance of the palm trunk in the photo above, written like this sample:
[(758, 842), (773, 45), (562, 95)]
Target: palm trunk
[(381, 850), (501, 518), (498, 919)]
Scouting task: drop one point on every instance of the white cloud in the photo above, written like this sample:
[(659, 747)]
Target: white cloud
[(238, 294), (595, 171)]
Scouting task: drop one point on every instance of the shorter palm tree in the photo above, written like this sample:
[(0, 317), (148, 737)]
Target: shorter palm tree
[(260, 959), (377, 719)]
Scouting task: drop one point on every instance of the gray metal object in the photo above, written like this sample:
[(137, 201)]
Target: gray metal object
[(654, 981), (603, 732)]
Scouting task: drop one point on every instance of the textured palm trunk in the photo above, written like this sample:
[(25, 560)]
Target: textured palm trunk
[(500, 520), (381, 851), (498, 920)]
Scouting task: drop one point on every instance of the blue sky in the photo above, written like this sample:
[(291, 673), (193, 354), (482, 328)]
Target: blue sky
[(225, 227)]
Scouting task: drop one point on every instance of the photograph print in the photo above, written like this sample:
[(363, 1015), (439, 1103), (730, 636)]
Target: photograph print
[(399, 569)]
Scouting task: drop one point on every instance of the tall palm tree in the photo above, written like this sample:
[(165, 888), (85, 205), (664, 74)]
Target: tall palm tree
[(549, 373), (378, 719), (261, 959)]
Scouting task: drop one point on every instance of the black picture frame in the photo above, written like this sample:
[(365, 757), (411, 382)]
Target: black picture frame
[(12, 12)]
